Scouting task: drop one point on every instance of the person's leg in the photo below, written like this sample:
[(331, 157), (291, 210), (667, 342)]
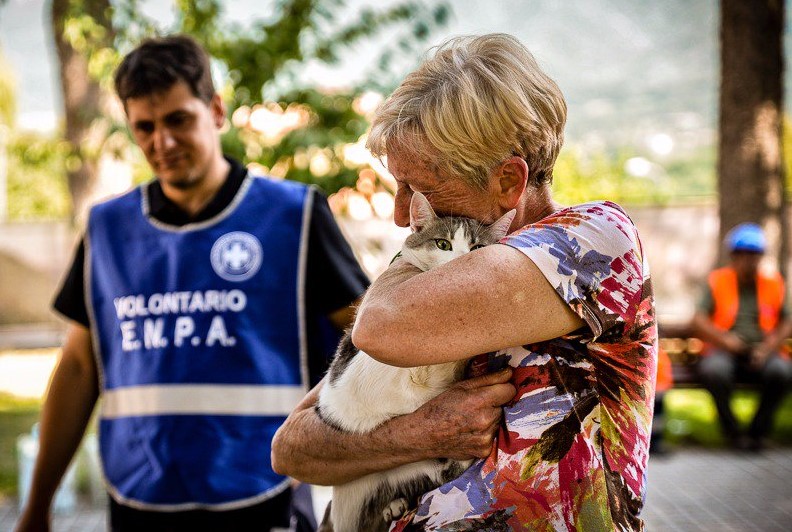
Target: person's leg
[(656, 442), (775, 378), (717, 374)]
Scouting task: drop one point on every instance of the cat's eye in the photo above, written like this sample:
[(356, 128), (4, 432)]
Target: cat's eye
[(443, 244)]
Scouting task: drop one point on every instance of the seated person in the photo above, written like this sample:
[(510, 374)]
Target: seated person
[(744, 314)]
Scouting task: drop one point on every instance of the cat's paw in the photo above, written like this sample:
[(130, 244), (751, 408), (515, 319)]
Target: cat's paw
[(394, 510)]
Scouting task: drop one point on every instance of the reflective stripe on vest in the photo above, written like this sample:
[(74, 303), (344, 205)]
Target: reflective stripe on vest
[(725, 294), (185, 399)]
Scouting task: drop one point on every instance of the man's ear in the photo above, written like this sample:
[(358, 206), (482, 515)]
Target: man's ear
[(218, 110), (509, 181)]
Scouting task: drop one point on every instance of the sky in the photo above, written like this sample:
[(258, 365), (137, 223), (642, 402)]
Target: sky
[(630, 69)]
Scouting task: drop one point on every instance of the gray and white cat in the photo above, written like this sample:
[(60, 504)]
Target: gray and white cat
[(362, 393)]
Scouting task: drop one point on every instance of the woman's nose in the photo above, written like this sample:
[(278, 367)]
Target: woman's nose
[(401, 209)]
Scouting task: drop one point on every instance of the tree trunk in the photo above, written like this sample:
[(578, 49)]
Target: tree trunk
[(750, 169), (82, 99)]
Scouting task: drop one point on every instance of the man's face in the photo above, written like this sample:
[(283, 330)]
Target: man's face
[(447, 195), (178, 133), (746, 264)]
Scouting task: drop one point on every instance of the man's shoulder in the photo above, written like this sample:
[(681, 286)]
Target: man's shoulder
[(128, 198), (271, 182), (267, 188)]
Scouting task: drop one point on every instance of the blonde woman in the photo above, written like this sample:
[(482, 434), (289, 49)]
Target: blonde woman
[(565, 300)]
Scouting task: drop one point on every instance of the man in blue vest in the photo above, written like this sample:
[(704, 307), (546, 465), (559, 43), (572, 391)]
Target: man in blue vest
[(196, 306)]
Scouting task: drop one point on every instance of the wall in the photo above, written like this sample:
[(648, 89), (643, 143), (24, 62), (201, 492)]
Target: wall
[(33, 256)]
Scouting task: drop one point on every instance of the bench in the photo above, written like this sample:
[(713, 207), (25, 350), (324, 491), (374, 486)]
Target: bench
[(684, 349)]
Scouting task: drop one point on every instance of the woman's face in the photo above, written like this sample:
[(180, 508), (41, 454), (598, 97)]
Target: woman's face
[(448, 196)]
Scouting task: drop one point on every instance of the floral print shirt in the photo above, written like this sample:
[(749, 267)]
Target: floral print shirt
[(573, 449)]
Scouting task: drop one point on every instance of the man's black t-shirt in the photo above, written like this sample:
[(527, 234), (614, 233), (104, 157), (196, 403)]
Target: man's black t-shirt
[(334, 278)]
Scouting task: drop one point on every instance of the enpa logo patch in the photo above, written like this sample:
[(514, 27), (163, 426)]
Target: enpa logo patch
[(236, 256)]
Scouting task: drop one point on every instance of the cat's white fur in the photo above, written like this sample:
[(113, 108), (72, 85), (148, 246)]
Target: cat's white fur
[(367, 393)]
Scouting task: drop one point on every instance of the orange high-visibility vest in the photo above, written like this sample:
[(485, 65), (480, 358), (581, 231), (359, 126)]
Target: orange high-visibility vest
[(665, 378), (769, 295)]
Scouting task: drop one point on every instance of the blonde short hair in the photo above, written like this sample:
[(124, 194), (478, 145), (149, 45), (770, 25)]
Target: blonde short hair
[(474, 103)]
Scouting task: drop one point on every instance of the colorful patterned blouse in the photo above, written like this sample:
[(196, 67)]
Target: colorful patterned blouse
[(573, 452)]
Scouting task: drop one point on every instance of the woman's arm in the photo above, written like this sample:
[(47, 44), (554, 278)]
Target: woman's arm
[(460, 423), (483, 301)]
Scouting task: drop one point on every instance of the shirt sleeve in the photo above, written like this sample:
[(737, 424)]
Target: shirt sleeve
[(592, 256), (70, 299), (706, 303), (334, 277), (334, 281)]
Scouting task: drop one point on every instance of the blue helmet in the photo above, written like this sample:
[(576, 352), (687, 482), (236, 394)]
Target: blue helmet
[(747, 237)]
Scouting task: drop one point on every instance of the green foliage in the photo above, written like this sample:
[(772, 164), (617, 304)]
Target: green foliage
[(786, 144), (332, 124), (17, 416), (36, 177), (254, 55), (580, 177), (263, 56), (7, 93), (693, 177)]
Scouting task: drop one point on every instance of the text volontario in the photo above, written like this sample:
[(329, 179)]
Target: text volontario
[(142, 324)]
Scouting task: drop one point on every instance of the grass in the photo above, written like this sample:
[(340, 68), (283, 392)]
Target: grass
[(691, 420), (17, 416), (691, 417)]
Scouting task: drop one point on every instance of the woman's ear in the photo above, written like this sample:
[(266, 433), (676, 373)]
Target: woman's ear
[(509, 180)]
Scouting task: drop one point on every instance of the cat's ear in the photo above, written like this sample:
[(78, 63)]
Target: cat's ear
[(500, 227), (421, 213)]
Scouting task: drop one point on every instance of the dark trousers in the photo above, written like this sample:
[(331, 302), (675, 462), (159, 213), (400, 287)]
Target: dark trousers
[(273, 514), (720, 370), (658, 423)]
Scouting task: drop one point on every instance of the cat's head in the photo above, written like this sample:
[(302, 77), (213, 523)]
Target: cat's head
[(438, 239)]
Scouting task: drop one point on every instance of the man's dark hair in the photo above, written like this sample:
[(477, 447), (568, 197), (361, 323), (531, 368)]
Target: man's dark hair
[(159, 63)]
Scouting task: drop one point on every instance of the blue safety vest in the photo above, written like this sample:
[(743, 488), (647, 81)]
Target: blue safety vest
[(199, 336)]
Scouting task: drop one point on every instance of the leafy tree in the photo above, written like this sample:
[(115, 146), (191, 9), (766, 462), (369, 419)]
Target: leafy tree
[(7, 93), (7, 116), (35, 165), (261, 57), (78, 29)]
